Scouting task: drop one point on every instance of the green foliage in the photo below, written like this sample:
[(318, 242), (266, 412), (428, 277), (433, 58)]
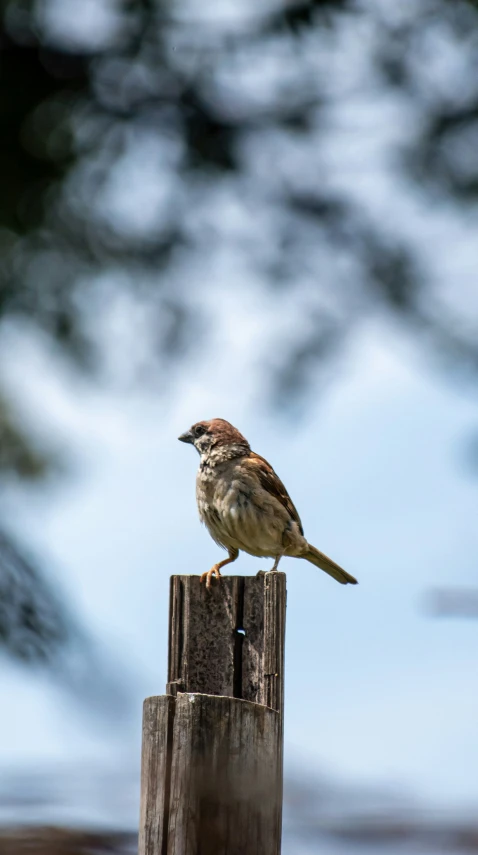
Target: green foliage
[(174, 91), (20, 454)]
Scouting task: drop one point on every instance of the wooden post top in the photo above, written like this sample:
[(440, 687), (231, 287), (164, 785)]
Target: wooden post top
[(228, 639)]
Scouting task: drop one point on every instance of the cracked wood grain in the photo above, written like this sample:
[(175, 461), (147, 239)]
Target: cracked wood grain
[(224, 787), (211, 779), (229, 640)]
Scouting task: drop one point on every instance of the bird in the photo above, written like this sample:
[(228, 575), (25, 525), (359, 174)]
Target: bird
[(244, 504)]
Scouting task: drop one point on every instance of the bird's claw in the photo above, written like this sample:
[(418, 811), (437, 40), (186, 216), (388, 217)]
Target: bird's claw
[(214, 571)]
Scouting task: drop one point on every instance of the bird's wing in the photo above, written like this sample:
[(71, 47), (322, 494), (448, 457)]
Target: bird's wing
[(271, 482)]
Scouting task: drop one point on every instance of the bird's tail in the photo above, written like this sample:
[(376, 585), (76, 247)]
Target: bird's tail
[(320, 560)]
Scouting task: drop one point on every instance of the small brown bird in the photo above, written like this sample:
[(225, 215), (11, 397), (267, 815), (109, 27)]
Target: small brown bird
[(244, 504)]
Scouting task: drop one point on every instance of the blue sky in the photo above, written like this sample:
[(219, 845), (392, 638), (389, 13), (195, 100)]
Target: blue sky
[(377, 691)]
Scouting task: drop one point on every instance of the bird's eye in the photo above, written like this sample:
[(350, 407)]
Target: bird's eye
[(199, 430)]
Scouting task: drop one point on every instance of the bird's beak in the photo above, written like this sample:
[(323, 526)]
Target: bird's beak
[(186, 437)]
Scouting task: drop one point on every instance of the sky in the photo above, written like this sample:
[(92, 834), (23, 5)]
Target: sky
[(378, 692)]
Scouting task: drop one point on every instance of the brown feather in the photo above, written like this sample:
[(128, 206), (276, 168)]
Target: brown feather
[(315, 556), (271, 482)]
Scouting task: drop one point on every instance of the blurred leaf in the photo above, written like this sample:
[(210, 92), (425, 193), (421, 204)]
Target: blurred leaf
[(38, 630), (115, 152), (20, 453)]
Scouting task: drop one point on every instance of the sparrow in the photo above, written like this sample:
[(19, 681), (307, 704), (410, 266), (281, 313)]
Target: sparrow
[(244, 504)]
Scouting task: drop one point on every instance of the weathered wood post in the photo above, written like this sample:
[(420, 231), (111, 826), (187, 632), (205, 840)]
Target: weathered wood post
[(211, 773)]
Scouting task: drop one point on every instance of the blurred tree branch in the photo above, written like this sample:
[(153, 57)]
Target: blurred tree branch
[(124, 150), (21, 454), (166, 103), (319, 813), (38, 629), (453, 603)]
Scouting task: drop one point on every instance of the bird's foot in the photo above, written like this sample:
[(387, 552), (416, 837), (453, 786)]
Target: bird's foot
[(214, 571), (275, 566)]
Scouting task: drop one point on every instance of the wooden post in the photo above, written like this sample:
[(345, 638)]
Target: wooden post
[(211, 778)]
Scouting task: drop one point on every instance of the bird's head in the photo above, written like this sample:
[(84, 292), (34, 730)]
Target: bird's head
[(216, 434)]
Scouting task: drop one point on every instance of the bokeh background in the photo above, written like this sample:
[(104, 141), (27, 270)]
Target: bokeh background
[(264, 212)]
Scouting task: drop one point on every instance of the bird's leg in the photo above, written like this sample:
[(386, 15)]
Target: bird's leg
[(276, 562), (285, 544), (216, 570)]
